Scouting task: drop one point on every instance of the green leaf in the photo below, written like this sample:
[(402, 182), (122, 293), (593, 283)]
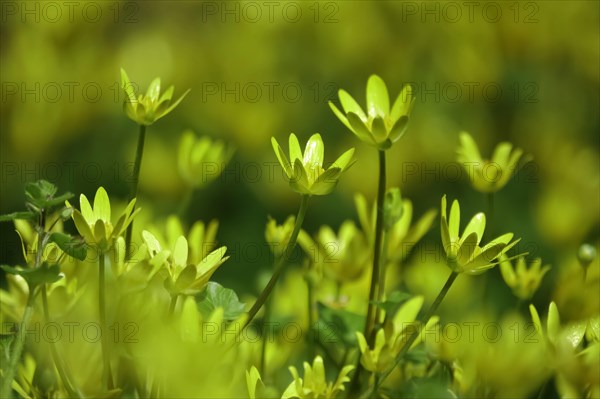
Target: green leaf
[(40, 195), (17, 215), (73, 246), (393, 302), (39, 275), (216, 296), (339, 325)]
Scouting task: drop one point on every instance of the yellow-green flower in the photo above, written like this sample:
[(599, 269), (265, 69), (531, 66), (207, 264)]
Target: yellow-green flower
[(463, 252), (147, 109), (305, 172), (390, 340), (183, 278), (94, 223), (401, 236), (523, 281), (201, 237), (380, 126), (488, 175), (278, 235), (342, 257), (314, 384), (201, 160)]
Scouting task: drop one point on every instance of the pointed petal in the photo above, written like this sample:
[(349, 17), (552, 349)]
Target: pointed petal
[(553, 323), (399, 129), (350, 105), (295, 150), (180, 252), (151, 243), (283, 161), (477, 226), (360, 129), (445, 231), (468, 151), (299, 179), (172, 106), (345, 160), (403, 104), (340, 115), (313, 153), (86, 210), (378, 99), (153, 90), (83, 227), (508, 273), (167, 95), (99, 232), (467, 248), (102, 205), (454, 222), (378, 129), (212, 261), (326, 182), (501, 154), (128, 88)]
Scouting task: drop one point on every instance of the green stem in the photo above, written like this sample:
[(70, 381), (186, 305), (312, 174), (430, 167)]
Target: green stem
[(264, 295), (382, 275), (265, 332), (62, 369), (15, 357), (134, 187), (374, 288), (415, 333), (107, 372), (311, 319)]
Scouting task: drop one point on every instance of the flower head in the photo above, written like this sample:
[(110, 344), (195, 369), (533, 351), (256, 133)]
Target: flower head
[(314, 384), (183, 278), (523, 281), (488, 175), (305, 172), (380, 126), (463, 252), (401, 235), (278, 235), (147, 109), (94, 223), (343, 256), (201, 160), (390, 340)]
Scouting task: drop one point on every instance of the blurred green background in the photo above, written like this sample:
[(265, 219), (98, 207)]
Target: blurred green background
[(527, 72)]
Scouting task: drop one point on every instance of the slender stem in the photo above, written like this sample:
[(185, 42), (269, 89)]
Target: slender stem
[(413, 334), (374, 289), (107, 372), (264, 295), (134, 186), (382, 275), (62, 369), (311, 319), (265, 337), (17, 349), (15, 357)]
